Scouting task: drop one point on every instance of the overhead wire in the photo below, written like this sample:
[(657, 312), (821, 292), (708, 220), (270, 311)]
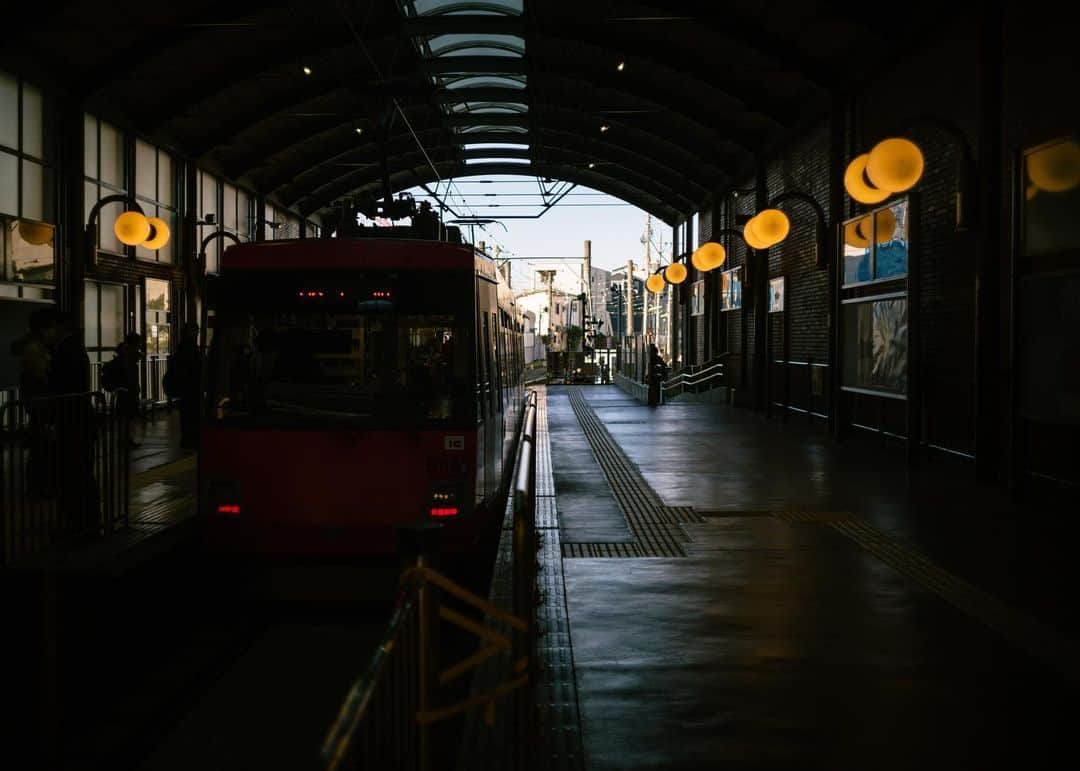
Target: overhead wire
[(397, 105)]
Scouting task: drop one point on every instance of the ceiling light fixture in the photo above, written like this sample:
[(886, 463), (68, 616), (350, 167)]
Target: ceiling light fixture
[(359, 130), (621, 66), (307, 70)]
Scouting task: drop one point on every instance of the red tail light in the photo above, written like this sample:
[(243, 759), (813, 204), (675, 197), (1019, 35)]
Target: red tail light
[(444, 512), (225, 509)]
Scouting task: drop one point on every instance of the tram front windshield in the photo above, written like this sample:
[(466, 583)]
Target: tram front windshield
[(333, 352)]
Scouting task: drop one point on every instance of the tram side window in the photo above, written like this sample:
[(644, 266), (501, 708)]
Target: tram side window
[(496, 387), (485, 342)]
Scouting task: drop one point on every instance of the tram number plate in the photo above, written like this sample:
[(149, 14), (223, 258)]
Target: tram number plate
[(453, 443)]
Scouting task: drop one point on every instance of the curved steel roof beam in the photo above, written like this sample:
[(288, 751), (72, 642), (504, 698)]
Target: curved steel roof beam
[(633, 180), (422, 175)]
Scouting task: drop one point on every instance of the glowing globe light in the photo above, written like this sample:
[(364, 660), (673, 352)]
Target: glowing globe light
[(895, 165), (1055, 169), (855, 182), (772, 225), (132, 228), (675, 273), (711, 255), (35, 233), (655, 283), (159, 234), (750, 235)]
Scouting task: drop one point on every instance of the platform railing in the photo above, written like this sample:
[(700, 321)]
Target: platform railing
[(696, 379), (525, 566), (386, 718), (63, 472)]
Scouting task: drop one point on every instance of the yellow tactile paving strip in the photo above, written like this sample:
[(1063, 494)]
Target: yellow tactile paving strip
[(1023, 631), (159, 473)]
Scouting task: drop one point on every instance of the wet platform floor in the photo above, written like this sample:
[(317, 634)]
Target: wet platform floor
[(833, 610)]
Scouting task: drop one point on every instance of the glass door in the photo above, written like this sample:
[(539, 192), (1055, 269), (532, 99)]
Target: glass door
[(104, 325), (157, 332)]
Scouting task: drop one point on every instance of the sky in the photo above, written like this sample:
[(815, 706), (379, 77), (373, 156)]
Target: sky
[(615, 228)]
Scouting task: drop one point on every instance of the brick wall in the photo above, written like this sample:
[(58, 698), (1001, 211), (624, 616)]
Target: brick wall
[(804, 167)]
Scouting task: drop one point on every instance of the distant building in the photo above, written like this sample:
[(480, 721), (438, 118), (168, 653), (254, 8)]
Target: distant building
[(551, 322), (534, 348), (616, 304)]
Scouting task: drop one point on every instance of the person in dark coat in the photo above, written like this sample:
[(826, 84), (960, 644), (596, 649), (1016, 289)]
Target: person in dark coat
[(72, 415), (35, 356), (184, 383), (129, 395), (69, 366)]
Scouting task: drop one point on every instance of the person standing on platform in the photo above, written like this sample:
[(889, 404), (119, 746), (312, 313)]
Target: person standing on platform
[(71, 412), (183, 381), (35, 359)]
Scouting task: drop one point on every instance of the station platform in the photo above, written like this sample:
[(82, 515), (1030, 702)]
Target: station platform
[(742, 593)]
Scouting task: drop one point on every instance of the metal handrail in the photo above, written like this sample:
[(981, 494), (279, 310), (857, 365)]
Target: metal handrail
[(63, 472), (362, 693), (408, 650), (698, 376)]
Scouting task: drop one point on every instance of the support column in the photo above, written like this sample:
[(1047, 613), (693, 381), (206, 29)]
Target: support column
[(988, 350), (758, 285), (189, 244), (587, 309), (74, 250), (629, 298), (673, 306), (834, 263)]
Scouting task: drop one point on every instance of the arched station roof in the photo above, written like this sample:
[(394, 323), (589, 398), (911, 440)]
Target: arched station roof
[(659, 103)]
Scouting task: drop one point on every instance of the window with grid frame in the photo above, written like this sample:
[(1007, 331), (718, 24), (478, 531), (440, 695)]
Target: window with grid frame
[(105, 167), (27, 183), (155, 189)]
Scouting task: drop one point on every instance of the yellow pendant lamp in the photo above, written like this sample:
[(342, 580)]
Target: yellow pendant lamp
[(132, 228), (855, 183), (772, 225), (895, 165), (750, 235), (655, 283), (675, 273), (708, 256), (159, 234)]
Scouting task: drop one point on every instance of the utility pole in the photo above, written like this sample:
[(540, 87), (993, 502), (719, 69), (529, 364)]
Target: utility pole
[(548, 277), (629, 298), (648, 272), (586, 309)]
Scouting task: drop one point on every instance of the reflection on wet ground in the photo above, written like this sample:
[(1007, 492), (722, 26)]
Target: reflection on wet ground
[(780, 643)]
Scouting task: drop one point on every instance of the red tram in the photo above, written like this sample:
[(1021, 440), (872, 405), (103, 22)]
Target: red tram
[(354, 384)]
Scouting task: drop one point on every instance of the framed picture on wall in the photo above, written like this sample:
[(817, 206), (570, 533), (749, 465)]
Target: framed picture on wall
[(1050, 197), (776, 294), (731, 289), (875, 345)]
